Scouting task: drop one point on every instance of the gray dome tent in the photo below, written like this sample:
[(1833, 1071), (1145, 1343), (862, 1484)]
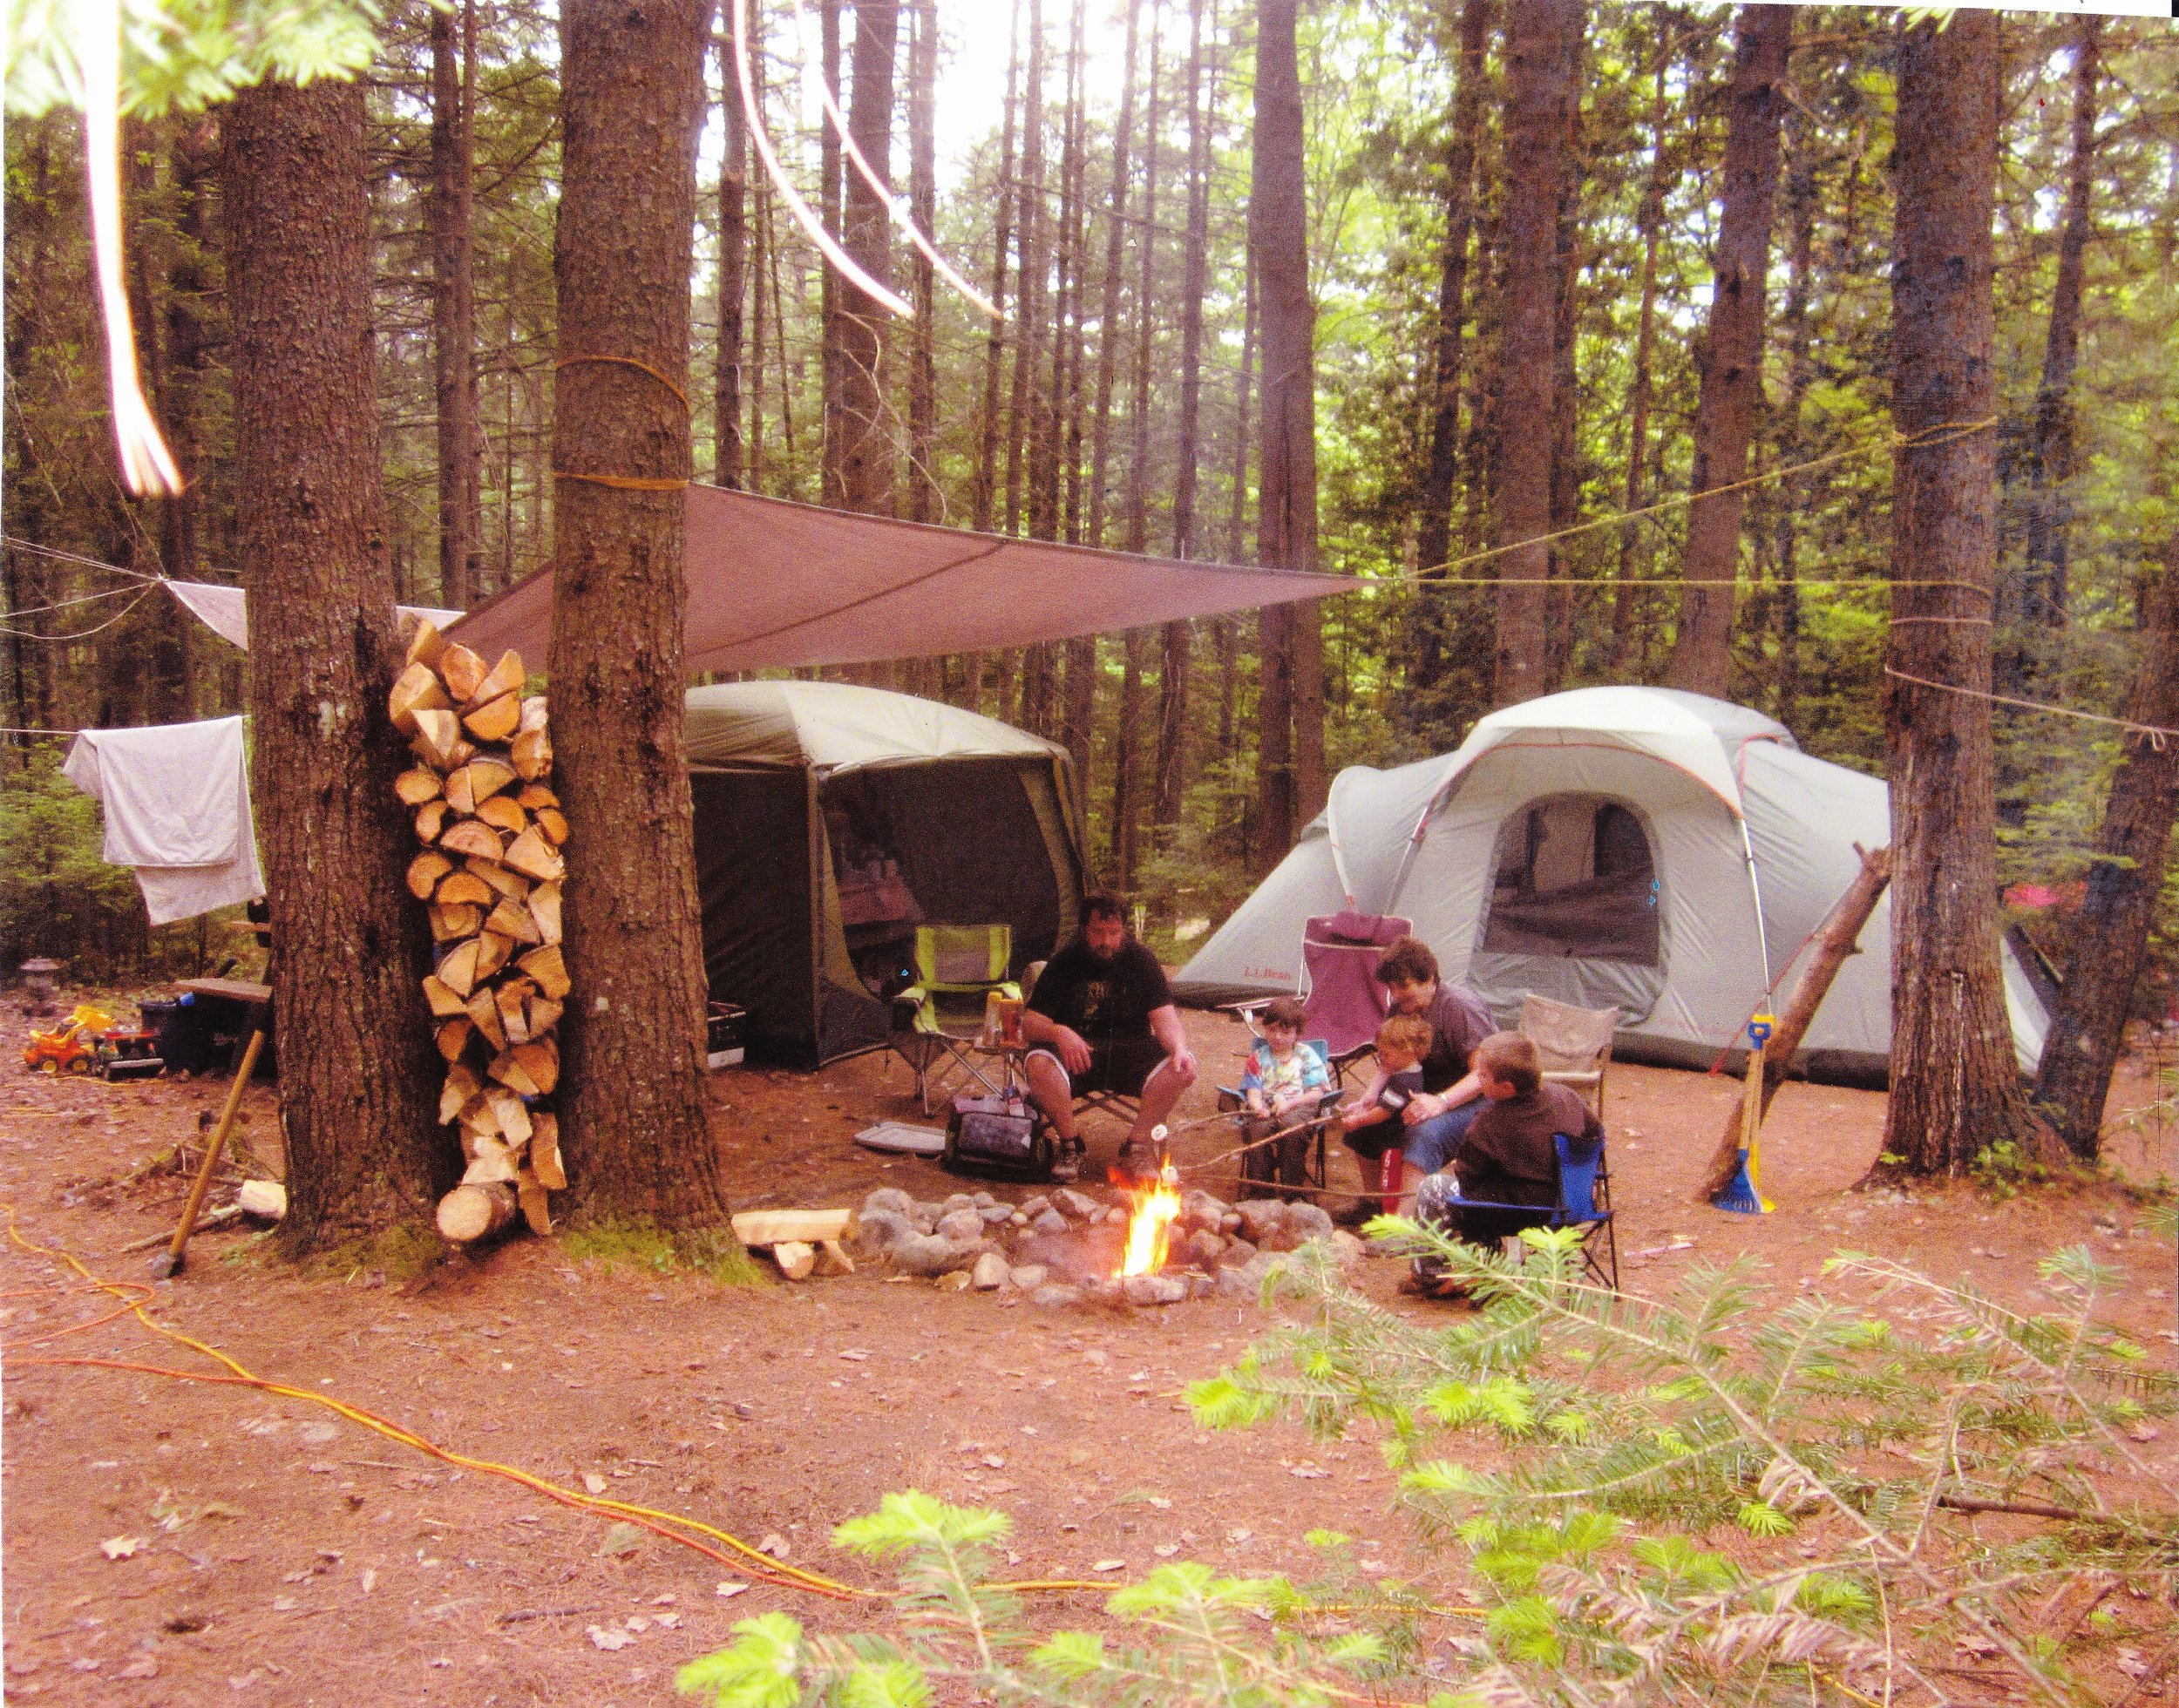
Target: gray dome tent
[(1641, 848), (831, 819)]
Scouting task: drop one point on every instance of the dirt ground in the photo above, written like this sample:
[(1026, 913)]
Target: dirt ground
[(282, 1554)]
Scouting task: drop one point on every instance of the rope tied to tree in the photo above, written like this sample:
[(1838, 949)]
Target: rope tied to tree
[(625, 483), (2157, 735), (640, 367)]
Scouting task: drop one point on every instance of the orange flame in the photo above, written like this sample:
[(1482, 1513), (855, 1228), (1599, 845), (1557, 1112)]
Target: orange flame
[(1150, 1224)]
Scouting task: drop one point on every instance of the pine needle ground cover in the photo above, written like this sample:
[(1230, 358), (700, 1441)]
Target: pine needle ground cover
[(1885, 1489)]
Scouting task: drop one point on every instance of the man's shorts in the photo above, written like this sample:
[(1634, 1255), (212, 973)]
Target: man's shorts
[(1374, 1140), (1121, 1067)]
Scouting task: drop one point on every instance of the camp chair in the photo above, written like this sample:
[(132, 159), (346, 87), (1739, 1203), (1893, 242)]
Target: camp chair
[(1574, 1046), (1338, 988), (1312, 1163), (1585, 1201), (938, 1017)]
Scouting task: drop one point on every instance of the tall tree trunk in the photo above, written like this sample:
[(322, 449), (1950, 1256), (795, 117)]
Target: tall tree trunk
[(1732, 350), (2109, 941), (759, 265), (984, 489), (356, 1110), (1127, 736), (1079, 710), (829, 165), (1292, 756), (1033, 261), (866, 450), (1237, 514), (1536, 94), (727, 468), (1179, 637), (1955, 1085), (1109, 314), (2051, 453), (1627, 646), (633, 1113), (1800, 284), (453, 309), (923, 496), (1434, 508), (1558, 602)]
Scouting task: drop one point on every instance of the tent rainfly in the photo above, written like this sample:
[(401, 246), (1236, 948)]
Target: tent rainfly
[(1641, 848), (831, 820)]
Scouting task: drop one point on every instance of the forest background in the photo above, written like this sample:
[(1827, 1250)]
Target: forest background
[(1092, 174)]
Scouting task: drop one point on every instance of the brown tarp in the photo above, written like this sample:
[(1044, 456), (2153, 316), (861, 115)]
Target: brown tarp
[(774, 584)]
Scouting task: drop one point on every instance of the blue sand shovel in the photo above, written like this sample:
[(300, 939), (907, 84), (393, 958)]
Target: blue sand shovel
[(1740, 1194)]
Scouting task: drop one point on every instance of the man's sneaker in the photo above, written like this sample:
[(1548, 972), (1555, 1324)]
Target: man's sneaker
[(1067, 1165), (1137, 1160)]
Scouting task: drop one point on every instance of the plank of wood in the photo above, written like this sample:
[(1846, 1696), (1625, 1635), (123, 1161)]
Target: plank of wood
[(235, 990), (769, 1227)]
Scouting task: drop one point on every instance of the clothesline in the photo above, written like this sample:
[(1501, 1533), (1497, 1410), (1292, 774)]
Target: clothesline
[(2157, 734)]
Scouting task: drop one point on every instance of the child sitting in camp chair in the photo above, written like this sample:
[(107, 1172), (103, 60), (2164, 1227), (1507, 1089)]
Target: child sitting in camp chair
[(1373, 1124), (1282, 1089)]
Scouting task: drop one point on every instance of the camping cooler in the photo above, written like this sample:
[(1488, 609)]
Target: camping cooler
[(725, 1036)]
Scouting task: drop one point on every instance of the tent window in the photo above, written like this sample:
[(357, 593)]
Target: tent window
[(1574, 878)]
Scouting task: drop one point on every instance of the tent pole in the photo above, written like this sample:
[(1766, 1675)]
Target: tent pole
[(1755, 889)]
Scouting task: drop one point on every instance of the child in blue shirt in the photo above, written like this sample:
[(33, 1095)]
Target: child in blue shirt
[(1285, 1080)]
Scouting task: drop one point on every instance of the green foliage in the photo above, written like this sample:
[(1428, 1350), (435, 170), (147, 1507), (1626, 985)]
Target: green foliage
[(639, 1243), (1825, 1437), (183, 53)]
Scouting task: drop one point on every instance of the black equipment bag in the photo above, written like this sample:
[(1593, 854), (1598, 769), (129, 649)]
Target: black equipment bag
[(999, 1135)]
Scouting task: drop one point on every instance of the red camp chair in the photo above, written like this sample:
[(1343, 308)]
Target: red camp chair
[(1346, 1005)]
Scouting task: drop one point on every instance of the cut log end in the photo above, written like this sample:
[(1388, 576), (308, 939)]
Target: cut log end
[(471, 1213)]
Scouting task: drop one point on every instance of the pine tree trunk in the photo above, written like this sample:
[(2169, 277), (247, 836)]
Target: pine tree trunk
[(866, 450), (1955, 1085), (924, 504), (356, 1110), (759, 265), (2108, 940), (1109, 316), (1800, 277), (984, 489), (1079, 705), (1229, 628), (1290, 770), (1178, 643), (727, 469), (2051, 453), (1558, 603), (1733, 350), (1537, 96), (1434, 508), (830, 482), (633, 1122), (1626, 645), (453, 313), (1034, 261)]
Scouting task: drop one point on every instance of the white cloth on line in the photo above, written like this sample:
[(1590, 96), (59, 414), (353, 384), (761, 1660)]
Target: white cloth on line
[(176, 797)]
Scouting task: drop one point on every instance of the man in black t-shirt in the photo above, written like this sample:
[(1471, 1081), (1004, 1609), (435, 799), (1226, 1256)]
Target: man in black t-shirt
[(1102, 1018)]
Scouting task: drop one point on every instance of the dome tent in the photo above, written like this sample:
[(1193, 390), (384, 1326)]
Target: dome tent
[(1640, 847), (831, 819)]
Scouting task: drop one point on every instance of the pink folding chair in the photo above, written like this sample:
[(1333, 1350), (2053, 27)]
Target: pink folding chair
[(1346, 1005)]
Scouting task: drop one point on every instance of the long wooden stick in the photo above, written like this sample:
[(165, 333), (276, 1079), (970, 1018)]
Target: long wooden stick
[(172, 1263)]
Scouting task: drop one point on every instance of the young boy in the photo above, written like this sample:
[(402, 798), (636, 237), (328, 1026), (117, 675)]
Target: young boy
[(1285, 1078), (1372, 1124), (1510, 1155)]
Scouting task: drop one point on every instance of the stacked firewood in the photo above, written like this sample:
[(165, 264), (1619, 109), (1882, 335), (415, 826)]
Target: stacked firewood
[(490, 870)]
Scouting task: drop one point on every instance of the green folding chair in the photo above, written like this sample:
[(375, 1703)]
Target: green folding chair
[(934, 1019)]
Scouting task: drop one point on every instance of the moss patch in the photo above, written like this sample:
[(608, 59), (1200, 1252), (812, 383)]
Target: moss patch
[(402, 1252), (638, 1242)]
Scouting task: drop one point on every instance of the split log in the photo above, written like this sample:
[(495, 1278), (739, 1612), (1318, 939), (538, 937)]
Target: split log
[(513, 1011), (795, 1260), (483, 1009), (430, 819), (462, 671), (426, 645), (505, 882), (536, 795), (461, 888), (453, 1038), (493, 1163), (479, 1121), (539, 1059), (456, 970), (265, 1199), (544, 1015), (504, 678), (461, 1085), (536, 1208), (415, 689), (553, 824), (495, 720), (1836, 939), (441, 995), (492, 950), (438, 736), (469, 1213), (416, 785), (450, 924), (769, 1227), (513, 1118), (533, 714), (531, 854), (502, 813), (544, 1149), (546, 966), (545, 909), (511, 919), (832, 1258), (532, 753), (424, 872), (473, 838)]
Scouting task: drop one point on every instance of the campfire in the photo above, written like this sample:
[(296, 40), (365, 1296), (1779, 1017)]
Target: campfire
[(1152, 1209)]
